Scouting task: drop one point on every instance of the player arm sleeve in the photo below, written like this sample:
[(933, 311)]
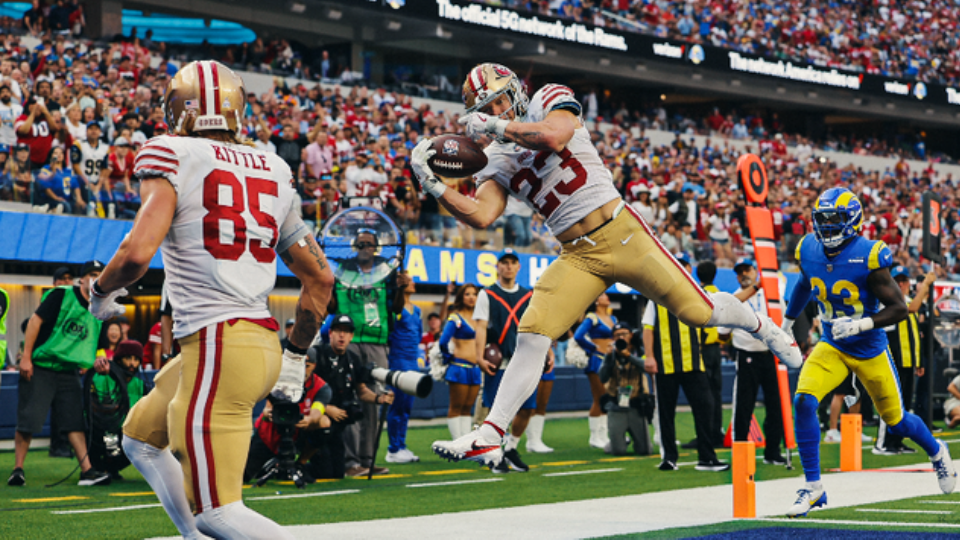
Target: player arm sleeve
[(292, 231), (800, 297), (481, 311), (581, 336), (649, 315)]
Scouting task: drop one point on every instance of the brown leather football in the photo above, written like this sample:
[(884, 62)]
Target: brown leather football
[(492, 354), (457, 157)]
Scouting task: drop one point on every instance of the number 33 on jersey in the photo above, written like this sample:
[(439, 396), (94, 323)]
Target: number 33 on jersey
[(232, 201), (839, 284)]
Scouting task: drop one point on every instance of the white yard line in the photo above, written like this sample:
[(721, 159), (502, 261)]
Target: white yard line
[(896, 511), (303, 495), (111, 509), (454, 483), (864, 523), (940, 502), (575, 473)]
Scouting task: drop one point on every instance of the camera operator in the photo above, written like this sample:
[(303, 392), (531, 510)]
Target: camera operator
[(265, 443), (350, 383), (627, 401)]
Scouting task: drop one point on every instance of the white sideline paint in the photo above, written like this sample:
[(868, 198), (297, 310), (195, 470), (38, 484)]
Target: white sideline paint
[(635, 513), (575, 473), (303, 495), (940, 502)]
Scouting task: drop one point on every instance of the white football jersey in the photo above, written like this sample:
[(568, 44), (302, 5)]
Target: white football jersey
[(563, 187), (91, 160), (219, 254)]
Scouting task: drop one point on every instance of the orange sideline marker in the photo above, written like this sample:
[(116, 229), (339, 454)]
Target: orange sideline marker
[(744, 488), (851, 458)]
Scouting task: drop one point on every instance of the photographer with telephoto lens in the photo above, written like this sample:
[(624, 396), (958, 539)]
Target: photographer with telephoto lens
[(627, 400), (277, 432), (350, 383)]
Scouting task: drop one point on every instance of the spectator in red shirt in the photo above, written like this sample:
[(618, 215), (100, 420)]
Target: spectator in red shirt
[(35, 128)]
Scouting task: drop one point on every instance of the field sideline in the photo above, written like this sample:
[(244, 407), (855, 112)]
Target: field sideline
[(572, 473)]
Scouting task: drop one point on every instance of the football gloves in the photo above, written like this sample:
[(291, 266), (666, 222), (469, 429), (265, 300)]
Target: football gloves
[(846, 327), (290, 383), (478, 124), (787, 326), (104, 306), (418, 160)]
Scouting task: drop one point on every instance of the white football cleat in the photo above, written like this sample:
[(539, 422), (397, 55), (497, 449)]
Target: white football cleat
[(832, 436), (943, 466), (404, 455), (471, 447), (779, 342), (538, 447), (807, 500)]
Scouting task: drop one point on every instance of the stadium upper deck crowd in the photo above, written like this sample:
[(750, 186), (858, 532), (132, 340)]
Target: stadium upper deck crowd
[(355, 141), (913, 39)]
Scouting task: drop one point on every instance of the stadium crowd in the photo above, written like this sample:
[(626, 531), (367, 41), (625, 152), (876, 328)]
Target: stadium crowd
[(909, 39), (74, 114)]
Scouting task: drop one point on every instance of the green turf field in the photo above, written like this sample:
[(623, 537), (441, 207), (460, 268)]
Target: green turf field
[(31, 511)]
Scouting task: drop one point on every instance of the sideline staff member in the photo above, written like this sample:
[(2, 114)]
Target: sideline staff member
[(61, 338)]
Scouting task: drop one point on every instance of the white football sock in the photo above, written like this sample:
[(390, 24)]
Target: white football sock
[(814, 486), (511, 442), (453, 424), (535, 429), (732, 313), (466, 424), (162, 471), (519, 380), (237, 522)]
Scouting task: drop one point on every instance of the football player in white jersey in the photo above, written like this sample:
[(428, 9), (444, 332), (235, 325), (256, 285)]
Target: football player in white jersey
[(88, 158), (543, 155), (220, 211)]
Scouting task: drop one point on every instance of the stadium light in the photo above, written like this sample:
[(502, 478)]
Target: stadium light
[(506, 44), (640, 66), (334, 14), (812, 95), (604, 61), (541, 48), (735, 82), (394, 25), (890, 105), (857, 101), (297, 7), (931, 111), (781, 89), (443, 33)]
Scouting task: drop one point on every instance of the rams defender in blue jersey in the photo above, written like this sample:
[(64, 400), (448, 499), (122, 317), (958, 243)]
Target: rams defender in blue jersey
[(849, 276)]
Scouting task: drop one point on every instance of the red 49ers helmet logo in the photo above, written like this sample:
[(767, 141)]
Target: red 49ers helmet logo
[(501, 71)]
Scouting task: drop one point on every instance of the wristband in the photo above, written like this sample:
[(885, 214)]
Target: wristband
[(95, 289), (499, 127), (296, 350), (319, 407)]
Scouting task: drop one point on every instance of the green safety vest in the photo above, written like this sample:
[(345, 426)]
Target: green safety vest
[(73, 342), (367, 307), (106, 386), (4, 309)]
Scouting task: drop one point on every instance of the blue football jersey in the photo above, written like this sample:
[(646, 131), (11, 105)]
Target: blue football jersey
[(839, 285)]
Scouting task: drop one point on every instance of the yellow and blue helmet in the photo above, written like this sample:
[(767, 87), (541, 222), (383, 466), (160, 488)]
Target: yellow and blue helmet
[(837, 217)]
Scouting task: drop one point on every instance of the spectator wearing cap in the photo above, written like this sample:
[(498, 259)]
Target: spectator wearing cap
[(114, 387), (35, 128), (118, 172), (61, 338), (351, 383), (904, 339), (673, 356), (756, 368), (628, 402), (10, 110)]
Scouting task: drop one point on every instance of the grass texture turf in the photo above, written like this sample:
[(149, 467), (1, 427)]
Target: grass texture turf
[(33, 511)]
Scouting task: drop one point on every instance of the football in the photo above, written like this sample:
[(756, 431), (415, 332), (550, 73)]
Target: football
[(456, 157), (492, 354)]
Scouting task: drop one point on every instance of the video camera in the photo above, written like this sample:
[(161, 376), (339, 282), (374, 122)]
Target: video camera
[(285, 416), (413, 383)]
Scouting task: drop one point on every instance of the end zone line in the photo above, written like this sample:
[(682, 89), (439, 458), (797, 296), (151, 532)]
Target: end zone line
[(574, 473), (861, 523), (896, 511), (112, 509), (454, 483), (303, 495)]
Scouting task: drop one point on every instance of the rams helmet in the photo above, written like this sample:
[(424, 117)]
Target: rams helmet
[(837, 217), (486, 82), (208, 91)]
